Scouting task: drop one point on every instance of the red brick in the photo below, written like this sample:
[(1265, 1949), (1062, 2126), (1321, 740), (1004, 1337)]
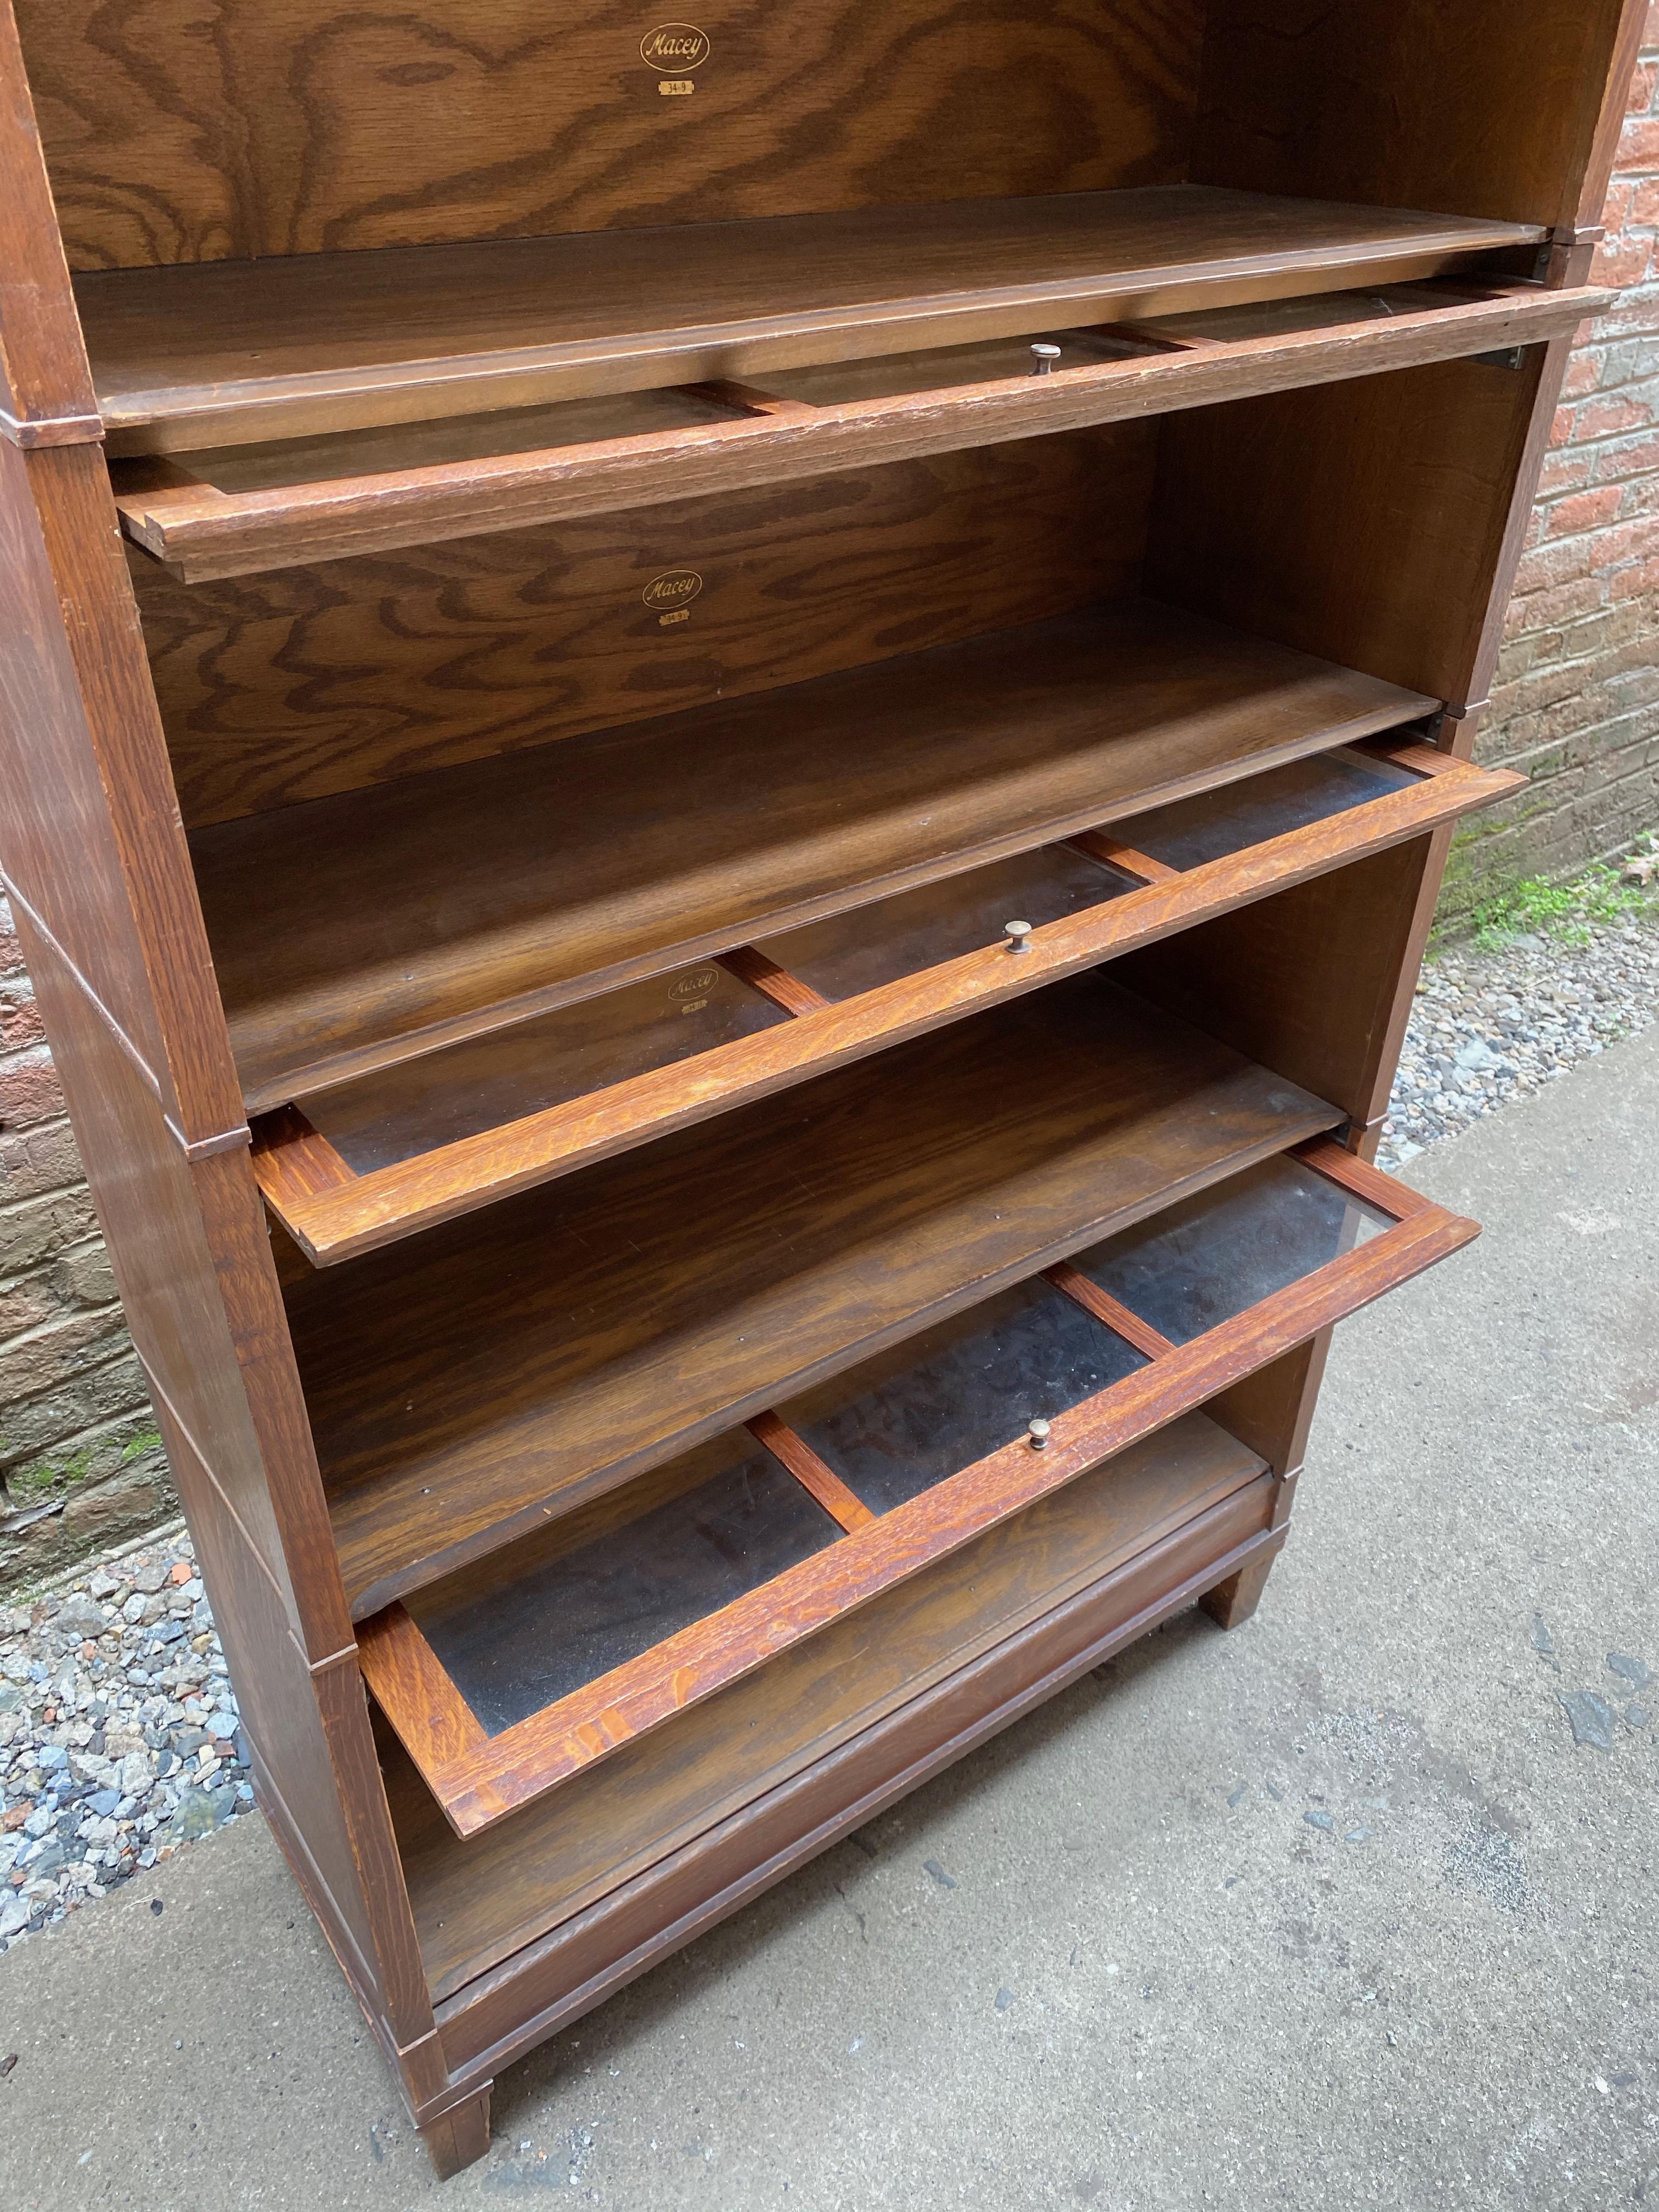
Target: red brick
[(1585, 510), (1639, 144), (1569, 469), (1643, 85), (29, 1089), (1642, 210), (1547, 566), (1628, 457), (1565, 603), (1639, 582), (1623, 258), (1584, 372), (1605, 418)]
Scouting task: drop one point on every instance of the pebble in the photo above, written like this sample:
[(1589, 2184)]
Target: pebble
[(1491, 1023), (1591, 1717), (1636, 1672), (119, 1737)]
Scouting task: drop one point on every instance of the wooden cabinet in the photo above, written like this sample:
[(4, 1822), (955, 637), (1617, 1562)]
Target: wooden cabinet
[(725, 749)]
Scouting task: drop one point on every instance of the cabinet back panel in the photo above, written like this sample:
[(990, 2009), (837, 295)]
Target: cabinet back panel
[(307, 681), (179, 132)]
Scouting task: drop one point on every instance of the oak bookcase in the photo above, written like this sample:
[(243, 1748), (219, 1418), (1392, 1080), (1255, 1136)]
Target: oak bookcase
[(727, 746)]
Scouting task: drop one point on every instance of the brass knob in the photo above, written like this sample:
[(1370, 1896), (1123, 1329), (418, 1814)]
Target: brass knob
[(1019, 934), (1038, 1433), (1044, 358)]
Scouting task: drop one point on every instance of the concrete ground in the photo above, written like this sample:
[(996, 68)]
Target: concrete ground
[(1333, 1911)]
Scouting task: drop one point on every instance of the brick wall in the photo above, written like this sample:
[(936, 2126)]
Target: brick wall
[(80, 1460), (1576, 703)]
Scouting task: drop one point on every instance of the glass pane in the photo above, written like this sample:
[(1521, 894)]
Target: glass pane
[(527, 1642), (1209, 1258), (458, 438), (487, 1080), (854, 952), (1193, 830), (828, 384), (931, 1406)]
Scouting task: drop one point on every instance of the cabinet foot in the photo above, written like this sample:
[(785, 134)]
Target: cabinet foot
[(1232, 1602), (461, 2138)]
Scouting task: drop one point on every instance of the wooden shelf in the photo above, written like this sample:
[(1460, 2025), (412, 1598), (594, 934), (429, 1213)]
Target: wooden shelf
[(354, 931), (467, 1384), (429, 1139), (230, 352), (511, 1677), (233, 510), (477, 1902)]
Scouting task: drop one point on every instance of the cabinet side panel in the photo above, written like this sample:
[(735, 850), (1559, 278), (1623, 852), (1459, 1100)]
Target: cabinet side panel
[(1488, 108), (299, 126), (288, 686), (1313, 983), (57, 847), (327, 1805), (1367, 521), (45, 387)]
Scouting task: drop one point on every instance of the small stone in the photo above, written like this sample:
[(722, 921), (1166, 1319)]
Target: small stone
[(133, 1610), (1005, 1998), (101, 1584), (14, 1917), (1635, 1671), (1541, 1639), (104, 1802), (78, 1616), (1237, 1796), (933, 1868), (1591, 1718), (1637, 1716), (1319, 1819), (196, 1816), (11, 1698), (150, 1577), (1355, 1835), (181, 1573)]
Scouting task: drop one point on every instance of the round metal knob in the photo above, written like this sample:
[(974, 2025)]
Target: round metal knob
[(1038, 1433), (1019, 934), (1044, 358)]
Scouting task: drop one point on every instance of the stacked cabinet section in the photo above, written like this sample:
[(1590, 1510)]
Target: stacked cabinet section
[(731, 746)]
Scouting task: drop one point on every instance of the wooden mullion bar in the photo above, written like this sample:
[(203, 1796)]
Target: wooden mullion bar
[(752, 966), (793, 1453), (1117, 1316)]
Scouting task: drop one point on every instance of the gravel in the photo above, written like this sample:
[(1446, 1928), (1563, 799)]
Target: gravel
[(118, 1735), (1494, 1022)]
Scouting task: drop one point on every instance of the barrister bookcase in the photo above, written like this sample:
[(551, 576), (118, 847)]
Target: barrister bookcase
[(726, 748)]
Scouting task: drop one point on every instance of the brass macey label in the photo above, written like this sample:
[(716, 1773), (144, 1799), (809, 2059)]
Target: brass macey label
[(674, 49), (694, 989), (675, 589)]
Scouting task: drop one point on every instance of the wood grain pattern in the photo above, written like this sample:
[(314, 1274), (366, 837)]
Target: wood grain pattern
[(1488, 108), (392, 1202), (204, 532), (322, 679), (389, 921), (300, 126), (464, 1384), (484, 1782), (232, 352), (478, 1903), (45, 387)]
